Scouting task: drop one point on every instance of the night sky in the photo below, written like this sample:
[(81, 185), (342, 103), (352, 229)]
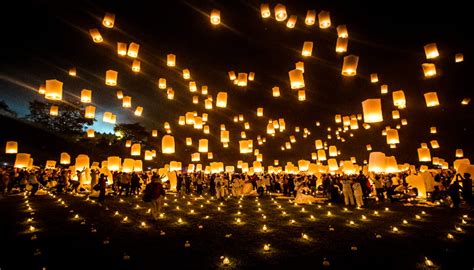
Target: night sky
[(45, 38)]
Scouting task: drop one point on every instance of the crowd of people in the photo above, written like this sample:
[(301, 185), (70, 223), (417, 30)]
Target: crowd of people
[(355, 190)]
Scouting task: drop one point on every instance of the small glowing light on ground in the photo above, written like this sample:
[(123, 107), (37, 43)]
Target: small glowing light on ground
[(428, 262), (405, 221), (180, 220), (459, 229), (143, 224), (264, 228), (302, 209), (32, 229), (450, 236), (116, 213), (364, 217), (311, 217), (125, 219), (292, 221), (329, 213), (304, 236), (417, 217), (376, 212), (266, 247), (395, 229), (387, 209)]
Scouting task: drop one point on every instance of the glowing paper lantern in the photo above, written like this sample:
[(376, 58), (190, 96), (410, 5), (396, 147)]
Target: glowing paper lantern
[(377, 162), (431, 51), (127, 102), (465, 101), (433, 130), (291, 21), (136, 65), (189, 141), (137, 165), (232, 75), (121, 48), (186, 74), (368, 147), (280, 12), (265, 10), (301, 95), (341, 45), (459, 153), (392, 136), (54, 90), (42, 89), (22, 160), (318, 144), (372, 109), (90, 112), (332, 165), (310, 17), (72, 72), (324, 19), (208, 104), (11, 147), (429, 70), (65, 158), (221, 100), (307, 48), (399, 99), (259, 112), (96, 36), (192, 86), (342, 31), (332, 151), (170, 93), (109, 20), (321, 155), (424, 155), (127, 166), (458, 58), (434, 144), (431, 99), (119, 94), (276, 91), (54, 110), (215, 17), (133, 50), (203, 146), (90, 133), (354, 124), (374, 78), (171, 60), (296, 79), (224, 136), (86, 96), (162, 83), (391, 165), (395, 114), (148, 155), (384, 89), (82, 162), (138, 111), (167, 144), (349, 66), (242, 79), (111, 77)]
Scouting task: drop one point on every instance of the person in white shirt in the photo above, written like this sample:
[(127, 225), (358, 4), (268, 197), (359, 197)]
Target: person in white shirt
[(347, 191)]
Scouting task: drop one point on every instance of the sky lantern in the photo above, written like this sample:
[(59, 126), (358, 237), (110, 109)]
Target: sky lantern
[(429, 70), (224, 136), (242, 79), (391, 165), (204, 90), (72, 72), (433, 130), (109, 20), (221, 100), (259, 112), (296, 79), (372, 109), (11, 147), (128, 143), (167, 144), (300, 65), (82, 162), (280, 12), (203, 146), (189, 118), (310, 17), (354, 124), (232, 75), (171, 60), (198, 123), (431, 51), (162, 83), (276, 91), (318, 144), (195, 99), (42, 89), (424, 155), (342, 31), (192, 86), (251, 76), (383, 89), (119, 94), (136, 65), (399, 99), (341, 45), (54, 110), (96, 36), (324, 19), (392, 136), (338, 118), (136, 149), (434, 144), (332, 165), (137, 165), (332, 151), (189, 141), (321, 155), (127, 102), (206, 129), (465, 101), (195, 157), (22, 160), (307, 48), (215, 17), (121, 48), (90, 112), (86, 96), (395, 114), (459, 153), (377, 162), (148, 155), (265, 10), (245, 146), (138, 111), (133, 50), (314, 156), (65, 158), (346, 121), (349, 66), (368, 147), (208, 104), (170, 93), (111, 77), (210, 155), (301, 95), (54, 90), (431, 99), (424, 145), (458, 58), (154, 133), (90, 133), (291, 21), (374, 78), (186, 74), (127, 165), (113, 119)]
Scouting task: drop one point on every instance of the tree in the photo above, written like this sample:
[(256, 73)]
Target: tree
[(70, 121), (134, 132), (5, 109)]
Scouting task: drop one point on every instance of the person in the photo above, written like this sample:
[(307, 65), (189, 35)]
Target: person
[(75, 183), (102, 186), (125, 184), (301, 188), (5, 181), (33, 181), (219, 187), (199, 184), (212, 185), (378, 187), (454, 193), (260, 186), (347, 191), (467, 188), (94, 174), (135, 184), (358, 193), (157, 195)]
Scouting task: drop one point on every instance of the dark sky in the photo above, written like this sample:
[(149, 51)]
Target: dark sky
[(45, 38)]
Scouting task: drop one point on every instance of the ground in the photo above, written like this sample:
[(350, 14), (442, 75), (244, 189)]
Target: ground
[(100, 238)]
